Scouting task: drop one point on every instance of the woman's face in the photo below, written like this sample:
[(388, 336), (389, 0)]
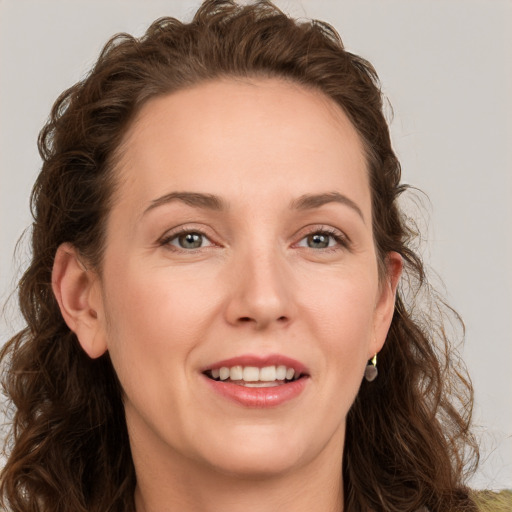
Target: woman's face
[(241, 238)]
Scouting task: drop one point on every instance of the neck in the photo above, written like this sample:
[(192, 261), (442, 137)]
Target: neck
[(175, 483)]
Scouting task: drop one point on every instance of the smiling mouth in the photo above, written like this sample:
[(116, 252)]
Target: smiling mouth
[(255, 377)]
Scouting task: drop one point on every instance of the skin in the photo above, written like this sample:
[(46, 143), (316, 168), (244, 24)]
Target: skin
[(257, 285)]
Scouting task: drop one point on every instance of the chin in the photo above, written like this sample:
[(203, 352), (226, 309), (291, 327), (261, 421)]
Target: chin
[(259, 455), (258, 466)]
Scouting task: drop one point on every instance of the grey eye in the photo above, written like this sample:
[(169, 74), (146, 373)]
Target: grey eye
[(319, 241), (189, 240)]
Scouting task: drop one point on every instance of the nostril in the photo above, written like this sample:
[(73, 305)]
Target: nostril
[(246, 319)]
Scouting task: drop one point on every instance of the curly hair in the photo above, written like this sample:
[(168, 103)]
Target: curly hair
[(408, 442)]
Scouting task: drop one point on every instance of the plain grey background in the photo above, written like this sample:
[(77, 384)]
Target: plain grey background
[(446, 69)]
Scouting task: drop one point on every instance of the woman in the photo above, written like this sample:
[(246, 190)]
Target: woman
[(214, 320)]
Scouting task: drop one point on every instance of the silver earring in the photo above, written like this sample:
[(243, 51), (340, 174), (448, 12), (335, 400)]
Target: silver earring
[(371, 372)]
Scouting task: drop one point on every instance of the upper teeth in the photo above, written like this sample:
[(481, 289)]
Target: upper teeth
[(253, 373)]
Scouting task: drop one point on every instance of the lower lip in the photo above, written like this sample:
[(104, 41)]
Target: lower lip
[(259, 397)]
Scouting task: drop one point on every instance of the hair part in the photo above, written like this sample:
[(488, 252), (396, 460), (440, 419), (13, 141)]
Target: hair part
[(407, 434)]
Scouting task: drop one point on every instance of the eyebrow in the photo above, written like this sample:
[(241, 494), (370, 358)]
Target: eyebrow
[(212, 202), (311, 201), (196, 199)]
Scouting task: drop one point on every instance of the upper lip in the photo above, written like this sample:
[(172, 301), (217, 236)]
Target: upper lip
[(260, 361)]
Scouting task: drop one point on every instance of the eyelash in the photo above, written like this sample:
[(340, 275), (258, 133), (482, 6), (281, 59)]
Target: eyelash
[(341, 240), (168, 238)]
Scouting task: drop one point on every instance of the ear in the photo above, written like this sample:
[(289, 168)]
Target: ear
[(386, 301), (78, 293)]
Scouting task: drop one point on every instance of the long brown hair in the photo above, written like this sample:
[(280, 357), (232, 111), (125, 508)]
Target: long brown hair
[(408, 441)]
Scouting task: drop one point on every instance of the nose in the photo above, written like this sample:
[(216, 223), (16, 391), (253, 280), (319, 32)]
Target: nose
[(261, 291)]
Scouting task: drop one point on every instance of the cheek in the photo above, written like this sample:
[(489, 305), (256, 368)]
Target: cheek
[(342, 304), (156, 321), (150, 322), (157, 306), (340, 313)]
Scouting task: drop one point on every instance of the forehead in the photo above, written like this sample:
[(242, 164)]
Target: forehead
[(240, 132)]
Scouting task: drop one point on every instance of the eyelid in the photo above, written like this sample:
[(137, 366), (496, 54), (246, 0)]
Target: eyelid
[(175, 232), (342, 238)]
